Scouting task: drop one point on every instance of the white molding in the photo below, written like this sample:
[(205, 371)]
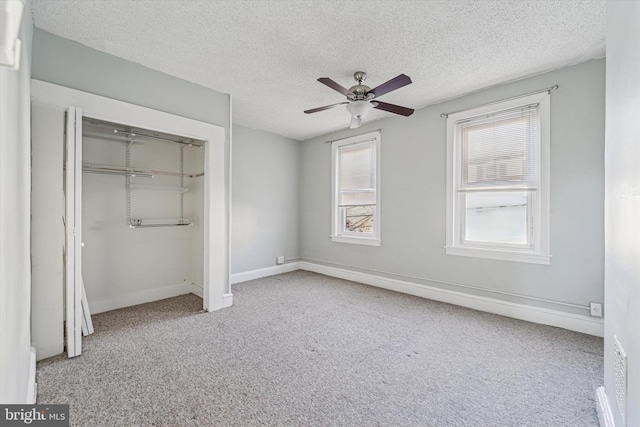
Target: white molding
[(227, 300), (369, 241), (141, 297), (605, 416), (573, 322), (264, 272), (499, 254), (32, 389)]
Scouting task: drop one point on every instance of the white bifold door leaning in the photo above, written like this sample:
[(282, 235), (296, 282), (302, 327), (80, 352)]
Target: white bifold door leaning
[(73, 231)]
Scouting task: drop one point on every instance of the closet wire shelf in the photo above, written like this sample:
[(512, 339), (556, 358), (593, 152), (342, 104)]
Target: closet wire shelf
[(144, 173)]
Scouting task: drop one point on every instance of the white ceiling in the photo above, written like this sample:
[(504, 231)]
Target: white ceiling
[(269, 53)]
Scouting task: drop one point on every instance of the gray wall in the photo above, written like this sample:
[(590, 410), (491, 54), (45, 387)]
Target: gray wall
[(15, 182), (71, 64), (622, 186), (265, 199), (413, 199)]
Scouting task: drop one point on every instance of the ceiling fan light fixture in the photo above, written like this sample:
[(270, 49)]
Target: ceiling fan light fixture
[(359, 108)]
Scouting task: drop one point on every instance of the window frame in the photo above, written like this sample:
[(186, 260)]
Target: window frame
[(337, 235), (539, 214)]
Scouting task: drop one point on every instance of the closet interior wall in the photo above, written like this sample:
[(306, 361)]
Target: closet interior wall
[(125, 265)]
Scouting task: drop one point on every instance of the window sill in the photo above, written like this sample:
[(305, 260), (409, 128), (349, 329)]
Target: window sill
[(500, 254), (367, 241)]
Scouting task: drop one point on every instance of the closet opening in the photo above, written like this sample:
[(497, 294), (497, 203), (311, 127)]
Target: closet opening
[(134, 202), (143, 216)]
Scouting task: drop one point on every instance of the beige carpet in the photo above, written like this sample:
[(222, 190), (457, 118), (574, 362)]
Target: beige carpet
[(302, 349)]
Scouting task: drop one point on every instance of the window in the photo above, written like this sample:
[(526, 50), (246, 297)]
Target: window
[(355, 166), (498, 181)]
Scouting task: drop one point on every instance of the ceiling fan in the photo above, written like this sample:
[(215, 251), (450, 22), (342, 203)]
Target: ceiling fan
[(361, 97)]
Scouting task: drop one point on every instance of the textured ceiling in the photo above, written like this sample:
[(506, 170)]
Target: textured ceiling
[(269, 53)]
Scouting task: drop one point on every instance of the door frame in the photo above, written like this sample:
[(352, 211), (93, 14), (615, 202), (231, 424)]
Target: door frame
[(216, 287)]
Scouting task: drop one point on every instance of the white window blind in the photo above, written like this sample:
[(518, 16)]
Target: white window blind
[(357, 174), (500, 150)]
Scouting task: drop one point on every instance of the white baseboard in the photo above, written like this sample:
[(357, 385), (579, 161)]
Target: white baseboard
[(227, 300), (32, 389), (573, 322), (141, 297), (196, 290), (264, 272), (605, 416)]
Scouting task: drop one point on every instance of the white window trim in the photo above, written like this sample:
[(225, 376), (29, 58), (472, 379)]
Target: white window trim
[(540, 253), (353, 238)]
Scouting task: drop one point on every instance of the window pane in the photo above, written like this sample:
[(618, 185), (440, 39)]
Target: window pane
[(496, 216), (358, 219)]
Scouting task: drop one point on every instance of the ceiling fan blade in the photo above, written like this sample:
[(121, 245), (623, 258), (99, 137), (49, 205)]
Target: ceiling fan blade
[(333, 85), (326, 107), (393, 84), (392, 108), (355, 122)]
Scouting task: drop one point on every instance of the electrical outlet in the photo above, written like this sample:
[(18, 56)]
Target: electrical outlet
[(596, 309), (280, 260)]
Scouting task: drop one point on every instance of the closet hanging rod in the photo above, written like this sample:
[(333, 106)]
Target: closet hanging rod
[(159, 187), (120, 173), (116, 170), (121, 170), (142, 223), (157, 225)]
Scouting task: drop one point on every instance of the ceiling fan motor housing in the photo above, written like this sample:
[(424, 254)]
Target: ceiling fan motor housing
[(360, 92)]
